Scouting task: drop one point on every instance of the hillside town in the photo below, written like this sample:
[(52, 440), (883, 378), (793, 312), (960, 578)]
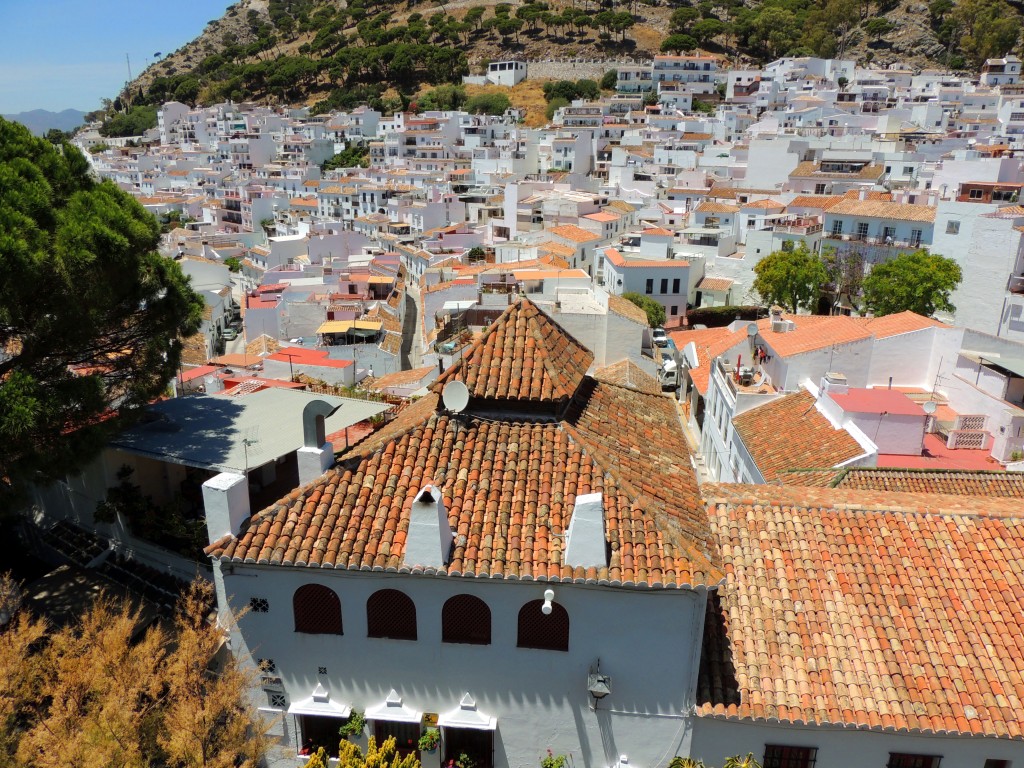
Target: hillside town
[(452, 483)]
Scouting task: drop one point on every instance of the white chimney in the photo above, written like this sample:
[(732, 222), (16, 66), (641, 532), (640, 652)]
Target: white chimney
[(835, 383), (316, 455), (429, 540), (226, 501), (585, 541)]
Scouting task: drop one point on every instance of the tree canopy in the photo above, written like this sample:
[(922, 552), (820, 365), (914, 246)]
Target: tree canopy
[(920, 282), (99, 692), (655, 311), (790, 278), (90, 313)]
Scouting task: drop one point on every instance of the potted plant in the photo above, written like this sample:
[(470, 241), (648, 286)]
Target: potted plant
[(354, 725), (429, 740)]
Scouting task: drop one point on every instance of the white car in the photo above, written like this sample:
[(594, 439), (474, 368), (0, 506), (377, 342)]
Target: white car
[(660, 337)]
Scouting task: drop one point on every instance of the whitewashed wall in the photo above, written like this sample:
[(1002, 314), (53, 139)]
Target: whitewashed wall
[(715, 740), (647, 641)]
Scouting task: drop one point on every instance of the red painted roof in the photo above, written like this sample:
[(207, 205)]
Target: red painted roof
[(937, 456), (302, 356), (198, 372), (877, 401)]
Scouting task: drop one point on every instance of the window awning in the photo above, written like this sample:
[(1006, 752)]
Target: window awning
[(349, 326), (392, 710), (466, 715), (319, 703)]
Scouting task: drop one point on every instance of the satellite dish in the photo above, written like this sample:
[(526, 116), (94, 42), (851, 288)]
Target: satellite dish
[(752, 330), (930, 407), (455, 396)]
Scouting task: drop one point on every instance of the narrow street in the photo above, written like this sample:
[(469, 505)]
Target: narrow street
[(412, 354)]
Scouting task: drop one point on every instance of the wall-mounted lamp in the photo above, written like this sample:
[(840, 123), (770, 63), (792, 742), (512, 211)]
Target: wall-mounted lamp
[(598, 685), (549, 595)]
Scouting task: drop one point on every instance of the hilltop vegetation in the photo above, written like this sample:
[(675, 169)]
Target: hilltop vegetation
[(334, 56)]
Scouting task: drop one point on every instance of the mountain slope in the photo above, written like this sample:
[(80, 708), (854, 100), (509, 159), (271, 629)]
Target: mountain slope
[(339, 54)]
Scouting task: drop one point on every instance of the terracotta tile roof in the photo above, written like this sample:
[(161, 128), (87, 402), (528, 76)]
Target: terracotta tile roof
[(710, 343), (711, 206), (895, 613), (882, 210), (626, 309), (812, 332), (810, 478), (715, 283), (509, 487), (812, 169), (402, 378), (658, 232), (523, 355), (855, 194), (574, 233), (899, 323), (764, 204), (628, 374), (947, 482), (815, 201), (790, 433)]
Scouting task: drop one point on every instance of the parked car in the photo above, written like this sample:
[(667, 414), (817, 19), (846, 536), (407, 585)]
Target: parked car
[(230, 334), (660, 337)]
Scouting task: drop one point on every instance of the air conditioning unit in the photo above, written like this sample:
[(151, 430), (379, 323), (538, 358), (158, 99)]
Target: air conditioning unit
[(780, 326)]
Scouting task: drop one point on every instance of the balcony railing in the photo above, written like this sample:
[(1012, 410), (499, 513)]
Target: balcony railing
[(886, 242), (797, 229)]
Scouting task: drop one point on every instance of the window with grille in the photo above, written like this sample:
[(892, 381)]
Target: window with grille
[(266, 665), (905, 760), (317, 610), (391, 614), (780, 756), (259, 604), (466, 619), (547, 632), (277, 700)]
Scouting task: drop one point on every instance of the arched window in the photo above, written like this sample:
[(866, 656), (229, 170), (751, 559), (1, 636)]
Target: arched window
[(548, 632), (466, 619), (390, 613), (317, 610)]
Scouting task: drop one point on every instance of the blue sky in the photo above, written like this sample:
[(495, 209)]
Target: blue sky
[(60, 54)]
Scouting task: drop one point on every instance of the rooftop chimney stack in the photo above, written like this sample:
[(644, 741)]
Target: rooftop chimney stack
[(226, 501), (585, 540), (429, 541)]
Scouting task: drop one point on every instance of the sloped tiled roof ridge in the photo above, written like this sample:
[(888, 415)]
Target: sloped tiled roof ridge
[(509, 485), (523, 355)]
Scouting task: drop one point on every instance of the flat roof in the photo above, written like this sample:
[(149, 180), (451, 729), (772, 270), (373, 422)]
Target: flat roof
[(877, 401), (232, 434)]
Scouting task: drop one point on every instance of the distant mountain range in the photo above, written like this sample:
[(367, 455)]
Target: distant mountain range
[(39, 121)]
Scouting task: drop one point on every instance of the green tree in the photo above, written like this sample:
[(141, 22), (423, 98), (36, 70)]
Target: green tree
[(678, 44), (554, 105), (878, 26), (102, 336), (444, 97), (682, 19), (655, 311), (706, 29), (790, 278), (488, 104), (984, 29), (353, 156), (609, 80), (134, 122), (919, 281)]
